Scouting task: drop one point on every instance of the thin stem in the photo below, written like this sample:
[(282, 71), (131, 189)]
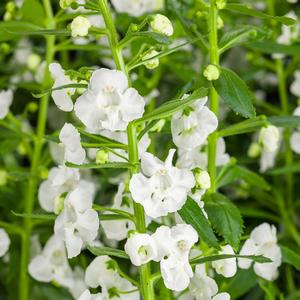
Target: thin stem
[(214, 103), (35, 163), (146, 286)]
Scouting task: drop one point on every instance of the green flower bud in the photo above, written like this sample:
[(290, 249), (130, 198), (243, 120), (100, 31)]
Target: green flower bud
[(33, 61), (254, 150), (211, 72), (3, 177), (221, 4), (202, 179), (162, 24), (153, 63), (102, 157)]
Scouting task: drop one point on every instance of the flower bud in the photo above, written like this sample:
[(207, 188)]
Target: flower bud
[(202, 179), (33, 61), (254, 150), (66, 3), (3, 177), (153, 63), (220, 22), (32, 107), (161, 24), (7, 16), (269, 138), (80, 26), (59, 204), (211, 72), (102, 157), (21, 149), (4, 47), (221, 4), (10, 6)]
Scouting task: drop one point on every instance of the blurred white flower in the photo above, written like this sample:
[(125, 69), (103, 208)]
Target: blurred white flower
[(78, 223), (6, 98), (262, 241), (79, 285), (295, 137), (70, 138), (161, 188), (202, 287), (269, 137), (295, 86), (62, 98), (52, 264), (4, 242), (80, 26), (118, 229), (109, 103), (101, 273), (140, 248), (137, 8), (86, 295), (226, 267), (162, 25), (191, 126), (61, 179)]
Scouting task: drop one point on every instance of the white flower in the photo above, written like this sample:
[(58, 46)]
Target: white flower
[(78, 223), (137, 8), (176, 273), (62, 97), (100, 273), (162, 24), (173, 247), (269, 138), (60, 180), (161, 188), (191, 127), (79, 285), (80, 26), (140, 248), (4, 242), (292, 1), (226, 267), (262, 241), (6, 98), (295, 87), (70, 138), (267, 160), (295, 137), (109, 103), (52, 264), (118, 229), (86, 295)]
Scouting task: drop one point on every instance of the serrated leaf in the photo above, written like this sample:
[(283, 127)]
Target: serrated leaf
[(192, 214), (170, 107), (290, 257), (235, 173), (242, 9), (256, 258), (235, 93), (225, 218), (100, 251), (113, 165)]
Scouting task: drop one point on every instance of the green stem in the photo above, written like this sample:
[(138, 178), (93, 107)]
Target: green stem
[(214, 103), (146, 286), (35, 163)]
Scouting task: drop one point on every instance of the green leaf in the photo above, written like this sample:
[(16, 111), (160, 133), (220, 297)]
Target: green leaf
[(270, 47), (27, 9), (48, 91), (170, 107), (242, 35), (8, 29), (49, 217), (256, 258), (290, 257), (192, 214), (235, 93), (112, 217), (225, 218), (285, 121), (235, 173), (100, 251), (242, 9), (147, 37), (113, 165), (294, 168)]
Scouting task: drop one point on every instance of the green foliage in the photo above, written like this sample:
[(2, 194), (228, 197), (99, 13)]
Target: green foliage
[(225, 218), (235, 93)]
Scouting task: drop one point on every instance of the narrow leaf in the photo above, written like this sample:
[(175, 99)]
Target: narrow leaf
[(294, 168), (242, 9), (271, 47), (113, 165), (235, 93), (285, 121), (225, 218), (50, 217), (290, 257), (100, 251), (192, 214), (170, 107)]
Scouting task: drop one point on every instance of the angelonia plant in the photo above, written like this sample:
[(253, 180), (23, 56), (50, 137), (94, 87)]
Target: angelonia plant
[(149, 149)]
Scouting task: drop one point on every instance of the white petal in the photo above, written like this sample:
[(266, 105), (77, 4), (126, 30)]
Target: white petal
[(4, 242), (226, 267), (295, 142), (132, 105), (248, 248), (6, 98), (40, 269)]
